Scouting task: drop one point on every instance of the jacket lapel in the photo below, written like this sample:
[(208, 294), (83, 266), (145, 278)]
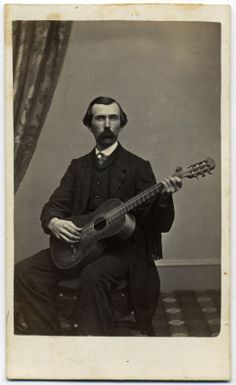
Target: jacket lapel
[(119, 172), (86, 172)]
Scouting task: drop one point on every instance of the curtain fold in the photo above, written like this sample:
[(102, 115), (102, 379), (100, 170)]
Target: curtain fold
[(39, 49)]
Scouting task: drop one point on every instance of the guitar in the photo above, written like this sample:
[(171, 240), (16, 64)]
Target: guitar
[(112, 220)]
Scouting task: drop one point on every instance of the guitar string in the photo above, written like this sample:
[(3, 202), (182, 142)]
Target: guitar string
[(117, 210), (197, 168)]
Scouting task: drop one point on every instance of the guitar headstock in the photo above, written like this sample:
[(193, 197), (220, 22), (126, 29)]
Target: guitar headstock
[(198, 169)]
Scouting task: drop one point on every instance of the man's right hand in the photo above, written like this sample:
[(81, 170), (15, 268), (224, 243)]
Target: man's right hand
[(65, 230)]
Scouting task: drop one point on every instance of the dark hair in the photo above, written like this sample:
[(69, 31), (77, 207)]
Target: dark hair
[(103, 100)]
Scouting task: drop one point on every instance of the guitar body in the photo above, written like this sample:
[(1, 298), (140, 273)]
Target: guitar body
[(96, 229)]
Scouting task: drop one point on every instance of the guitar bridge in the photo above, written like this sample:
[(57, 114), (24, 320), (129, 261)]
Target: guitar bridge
[(74, 250)]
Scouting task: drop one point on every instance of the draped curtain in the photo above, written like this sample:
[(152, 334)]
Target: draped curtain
[(39, 49)]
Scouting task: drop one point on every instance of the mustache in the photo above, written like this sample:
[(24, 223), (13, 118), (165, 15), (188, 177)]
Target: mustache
[(107, 134)]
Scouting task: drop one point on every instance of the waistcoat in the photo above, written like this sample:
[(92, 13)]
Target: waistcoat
[(100, 184)]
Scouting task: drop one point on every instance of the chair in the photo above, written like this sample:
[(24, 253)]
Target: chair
[(123, 319)]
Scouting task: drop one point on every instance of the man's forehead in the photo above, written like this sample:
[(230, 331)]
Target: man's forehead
[(106, 109)]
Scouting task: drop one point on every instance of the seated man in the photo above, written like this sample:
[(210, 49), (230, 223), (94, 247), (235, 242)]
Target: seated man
[(108, 171)]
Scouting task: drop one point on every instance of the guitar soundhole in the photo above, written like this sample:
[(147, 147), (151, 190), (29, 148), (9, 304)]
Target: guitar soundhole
[(99, 224)]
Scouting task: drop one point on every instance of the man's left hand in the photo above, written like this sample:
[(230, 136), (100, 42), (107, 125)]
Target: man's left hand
[(171, 184)]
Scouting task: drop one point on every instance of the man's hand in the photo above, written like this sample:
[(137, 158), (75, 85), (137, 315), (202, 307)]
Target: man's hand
[(172, 183), (65, 230)]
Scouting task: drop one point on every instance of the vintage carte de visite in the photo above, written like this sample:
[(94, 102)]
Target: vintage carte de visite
[(118, 245)]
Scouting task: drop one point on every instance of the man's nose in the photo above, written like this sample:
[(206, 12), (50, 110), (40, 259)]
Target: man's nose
[(107, 122)]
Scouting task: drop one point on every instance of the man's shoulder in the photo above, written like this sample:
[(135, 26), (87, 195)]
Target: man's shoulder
[(83, 159), (133, 157)]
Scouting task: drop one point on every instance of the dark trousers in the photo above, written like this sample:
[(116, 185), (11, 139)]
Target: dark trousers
[(35, 283)]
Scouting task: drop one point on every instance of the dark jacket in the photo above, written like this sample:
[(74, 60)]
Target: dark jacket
[(130, 176)]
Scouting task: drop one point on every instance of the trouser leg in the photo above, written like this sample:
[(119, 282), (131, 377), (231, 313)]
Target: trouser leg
[(96, 284), (35, 282)]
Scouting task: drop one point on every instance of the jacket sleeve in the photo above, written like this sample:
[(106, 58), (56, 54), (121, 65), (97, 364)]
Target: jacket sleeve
[(61, 202), (157, 212)]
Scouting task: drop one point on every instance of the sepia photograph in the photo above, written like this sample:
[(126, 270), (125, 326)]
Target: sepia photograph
[(119, 226)]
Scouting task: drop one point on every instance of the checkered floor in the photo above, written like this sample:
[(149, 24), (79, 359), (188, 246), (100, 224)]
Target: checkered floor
[(188, 313)]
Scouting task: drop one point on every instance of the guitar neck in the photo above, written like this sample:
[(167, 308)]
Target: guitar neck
[(135, 201), (193, 171)]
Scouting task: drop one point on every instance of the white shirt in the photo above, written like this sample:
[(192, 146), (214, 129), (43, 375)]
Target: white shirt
[(109, 150)]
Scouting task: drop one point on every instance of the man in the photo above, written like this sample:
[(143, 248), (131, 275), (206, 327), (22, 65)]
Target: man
[(108, 171)]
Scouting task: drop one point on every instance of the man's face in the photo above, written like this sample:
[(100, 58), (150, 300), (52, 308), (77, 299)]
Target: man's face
[(105, 124)]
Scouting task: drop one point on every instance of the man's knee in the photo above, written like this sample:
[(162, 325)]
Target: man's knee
[(21, 268), (91, 275), (23, 271)]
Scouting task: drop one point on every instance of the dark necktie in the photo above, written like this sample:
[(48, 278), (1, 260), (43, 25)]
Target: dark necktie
[(101, 158)]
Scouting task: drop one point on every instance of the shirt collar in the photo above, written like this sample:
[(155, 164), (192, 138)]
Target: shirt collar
[(109, 150)]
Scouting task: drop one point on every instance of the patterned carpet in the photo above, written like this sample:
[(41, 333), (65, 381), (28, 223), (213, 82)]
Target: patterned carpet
[(188, 313), (179, 313)]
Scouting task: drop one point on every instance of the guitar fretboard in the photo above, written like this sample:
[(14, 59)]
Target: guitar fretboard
[(134, 202)]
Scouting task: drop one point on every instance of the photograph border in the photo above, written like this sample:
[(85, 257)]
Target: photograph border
[(129, 359)]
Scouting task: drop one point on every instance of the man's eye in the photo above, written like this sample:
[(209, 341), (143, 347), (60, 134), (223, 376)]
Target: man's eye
[(114, 117), (100, 118)]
